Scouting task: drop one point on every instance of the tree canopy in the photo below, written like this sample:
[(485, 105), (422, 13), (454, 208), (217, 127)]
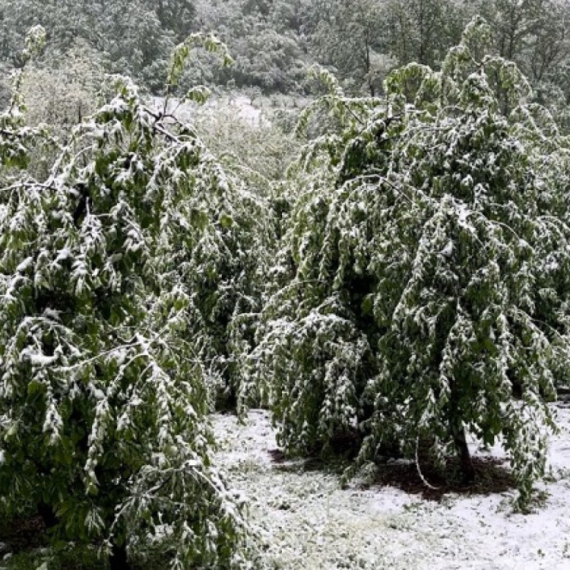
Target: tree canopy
[(118, 273), (429, 258)]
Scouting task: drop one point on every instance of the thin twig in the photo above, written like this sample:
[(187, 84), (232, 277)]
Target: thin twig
[(424, 480)]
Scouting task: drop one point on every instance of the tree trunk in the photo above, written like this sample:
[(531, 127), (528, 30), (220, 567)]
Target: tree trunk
[(464, 455), (118, 559), (48, 515)]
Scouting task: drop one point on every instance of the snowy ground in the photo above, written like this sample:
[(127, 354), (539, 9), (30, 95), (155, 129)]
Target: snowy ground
[(243, 106), (308, 522)]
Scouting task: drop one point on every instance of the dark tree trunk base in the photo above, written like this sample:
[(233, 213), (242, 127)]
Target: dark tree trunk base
[(118, 559), (465, 457), (48, 515)]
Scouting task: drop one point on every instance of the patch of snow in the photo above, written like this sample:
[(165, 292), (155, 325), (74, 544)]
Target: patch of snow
[(186, 110), (305, 520)]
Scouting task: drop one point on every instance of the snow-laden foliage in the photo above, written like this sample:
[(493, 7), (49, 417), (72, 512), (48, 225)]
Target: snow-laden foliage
[(423, 282), (15, 138), (119, 275)]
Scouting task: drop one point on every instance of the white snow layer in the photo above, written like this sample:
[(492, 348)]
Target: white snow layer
[(243, 106), (306, 521)]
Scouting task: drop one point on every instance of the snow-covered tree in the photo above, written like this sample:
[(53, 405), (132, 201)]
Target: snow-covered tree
[(63, 90), (15, 138), (118, 276), (423, 282)]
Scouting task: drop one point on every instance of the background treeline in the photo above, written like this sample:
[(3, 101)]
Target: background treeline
[(273, 41)]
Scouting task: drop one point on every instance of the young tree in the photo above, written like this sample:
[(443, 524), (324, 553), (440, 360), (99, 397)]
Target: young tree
[(113, 272), (15, 139), (534, 34), (422, 31), (349, 37), (62, 91), (424, 276)]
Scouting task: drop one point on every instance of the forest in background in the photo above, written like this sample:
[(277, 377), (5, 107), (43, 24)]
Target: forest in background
[(274, 42)]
